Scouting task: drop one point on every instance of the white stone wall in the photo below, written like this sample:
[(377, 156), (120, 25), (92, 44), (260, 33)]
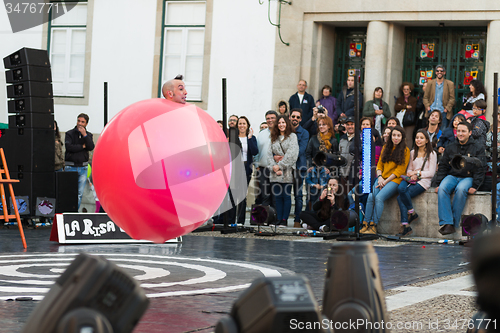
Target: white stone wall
[(243, 52), (123, 54)]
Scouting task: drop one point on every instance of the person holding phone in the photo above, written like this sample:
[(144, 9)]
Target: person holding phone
[(330, 200)]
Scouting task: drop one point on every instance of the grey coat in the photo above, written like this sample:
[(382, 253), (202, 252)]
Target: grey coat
[(289, 148)]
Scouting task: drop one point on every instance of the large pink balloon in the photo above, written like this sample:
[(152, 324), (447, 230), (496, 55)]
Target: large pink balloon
[(161, 169)]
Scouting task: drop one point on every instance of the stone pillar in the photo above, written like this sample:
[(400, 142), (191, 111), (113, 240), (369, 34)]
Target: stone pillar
[(492, 62), (325, 50), (395, 61), (377, 40)]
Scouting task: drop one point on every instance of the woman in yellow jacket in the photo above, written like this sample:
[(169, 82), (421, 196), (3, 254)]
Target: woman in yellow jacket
[(392, 164)]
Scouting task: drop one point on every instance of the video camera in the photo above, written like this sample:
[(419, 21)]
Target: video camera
[(465, 163), (328, 160)]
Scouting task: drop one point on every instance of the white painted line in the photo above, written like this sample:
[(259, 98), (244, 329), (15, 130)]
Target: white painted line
[(414, 295), (34, 297), (198, 292), (15, 267)]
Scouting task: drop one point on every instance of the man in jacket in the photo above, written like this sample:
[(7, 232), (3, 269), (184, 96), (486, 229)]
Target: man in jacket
[(301, 167), (78, 144), (461, 182), (301, 99), (345, 143), (440, 95), (345, 100)]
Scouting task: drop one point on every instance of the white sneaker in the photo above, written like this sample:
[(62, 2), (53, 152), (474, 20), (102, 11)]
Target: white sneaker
[(324, 228)]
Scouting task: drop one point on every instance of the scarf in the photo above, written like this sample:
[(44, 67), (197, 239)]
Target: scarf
[(324, 142)]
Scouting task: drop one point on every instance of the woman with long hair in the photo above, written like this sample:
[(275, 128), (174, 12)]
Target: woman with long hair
[(59, 158), (332, 198), (477, 92), (282, 158), (377, 108), (325, 142), (421, 169), (249, 149), (392, 164)]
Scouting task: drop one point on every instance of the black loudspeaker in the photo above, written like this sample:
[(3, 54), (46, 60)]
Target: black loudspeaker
[(353, 288), (32, 120), (31, 104), (485, 266), (275, 304), (30, 89), (66, 192), (29, 73), (26, 56), (92, 295), (342, 220), (29, 150), (33, 186)]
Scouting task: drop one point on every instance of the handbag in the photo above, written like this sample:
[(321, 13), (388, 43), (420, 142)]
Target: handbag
[(409, 118), (400, 115), (411, 181)]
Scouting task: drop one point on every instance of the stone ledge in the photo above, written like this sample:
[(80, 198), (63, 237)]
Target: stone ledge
[(426, 206)]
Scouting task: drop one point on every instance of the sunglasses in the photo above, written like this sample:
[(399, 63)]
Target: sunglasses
[(439, 71), (232, 120), (296, 117)]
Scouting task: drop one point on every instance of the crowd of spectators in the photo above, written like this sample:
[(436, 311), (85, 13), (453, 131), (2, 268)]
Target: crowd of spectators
[(412, 150)]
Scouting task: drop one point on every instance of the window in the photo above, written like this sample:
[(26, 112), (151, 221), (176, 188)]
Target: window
[(183, 44), (67, 38)]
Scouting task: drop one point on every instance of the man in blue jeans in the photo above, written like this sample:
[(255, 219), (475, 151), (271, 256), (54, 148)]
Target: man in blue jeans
[(78, 143), (301, 167), (462, 182)]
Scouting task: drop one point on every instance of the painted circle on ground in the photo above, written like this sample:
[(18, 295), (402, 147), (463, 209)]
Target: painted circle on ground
[(32, 275)]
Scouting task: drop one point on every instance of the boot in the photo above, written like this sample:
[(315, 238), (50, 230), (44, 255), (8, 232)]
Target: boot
[(372, 229), (364, 228), (297, 225)]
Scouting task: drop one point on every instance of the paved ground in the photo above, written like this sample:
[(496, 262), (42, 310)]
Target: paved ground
[(193, 284)]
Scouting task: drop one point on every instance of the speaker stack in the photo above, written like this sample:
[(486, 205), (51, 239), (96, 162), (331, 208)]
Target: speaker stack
[(29, 141)]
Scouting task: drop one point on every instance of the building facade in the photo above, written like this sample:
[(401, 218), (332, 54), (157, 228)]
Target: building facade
[(135, 46), (390, 42)]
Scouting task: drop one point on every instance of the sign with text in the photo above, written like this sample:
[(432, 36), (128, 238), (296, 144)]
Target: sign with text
[(84, 228)]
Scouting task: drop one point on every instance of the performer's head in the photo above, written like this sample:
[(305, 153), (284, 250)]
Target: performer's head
[(175, 90)]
